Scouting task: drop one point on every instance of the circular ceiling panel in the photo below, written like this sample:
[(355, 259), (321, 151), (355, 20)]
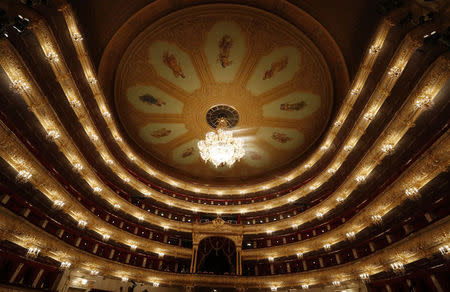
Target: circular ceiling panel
[(197, 58)]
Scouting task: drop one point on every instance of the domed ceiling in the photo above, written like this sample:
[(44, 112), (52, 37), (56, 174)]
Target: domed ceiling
[(196, 58)]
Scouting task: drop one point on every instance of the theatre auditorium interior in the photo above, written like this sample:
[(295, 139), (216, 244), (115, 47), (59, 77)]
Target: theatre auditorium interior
[(224, 146)]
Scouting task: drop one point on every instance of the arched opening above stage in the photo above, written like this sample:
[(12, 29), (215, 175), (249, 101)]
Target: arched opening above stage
[(216, 255)]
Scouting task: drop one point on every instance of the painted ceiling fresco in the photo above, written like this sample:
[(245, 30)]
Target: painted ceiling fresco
[(191, 60)]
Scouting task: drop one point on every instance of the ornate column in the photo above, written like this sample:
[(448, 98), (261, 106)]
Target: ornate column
[(193, 268), (238, 260)]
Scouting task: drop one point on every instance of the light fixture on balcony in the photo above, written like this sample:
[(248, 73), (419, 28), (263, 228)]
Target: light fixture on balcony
[(33, 252), (24, 176), (82, 224), (397, 267), (365, 277), (65, 265), (219, 147), (444, 250), (376, 219), (350, 235), (58, 204)]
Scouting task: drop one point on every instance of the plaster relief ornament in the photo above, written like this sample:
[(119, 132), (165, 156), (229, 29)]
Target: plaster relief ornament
[(281, 137), (148, 98), (290, 107), (188, 152), (225, 45), (218, 222), (171, 62), (275, 68), (163, 132)]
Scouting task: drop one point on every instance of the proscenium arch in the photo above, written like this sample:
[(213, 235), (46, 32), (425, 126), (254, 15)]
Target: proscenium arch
[(217, 255)]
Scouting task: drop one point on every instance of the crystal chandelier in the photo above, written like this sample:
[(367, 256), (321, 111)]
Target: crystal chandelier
[(219, 147)]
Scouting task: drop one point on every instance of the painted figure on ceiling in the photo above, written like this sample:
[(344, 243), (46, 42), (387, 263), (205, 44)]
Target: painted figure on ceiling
[(171, 62), (163, 132), (290, 107), (281, 137), (148, 98), (255, 155), (276, 67), (188, 152), (224, 51)]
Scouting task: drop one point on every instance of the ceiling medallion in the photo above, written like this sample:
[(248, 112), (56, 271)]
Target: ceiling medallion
[(219, 147)]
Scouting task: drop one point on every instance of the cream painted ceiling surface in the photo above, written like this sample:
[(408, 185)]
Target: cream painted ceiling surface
[(191, 60)]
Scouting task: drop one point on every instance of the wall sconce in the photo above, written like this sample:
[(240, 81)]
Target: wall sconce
[(97, 189), (365, 277), (350, 235), (58, 204), (374, 49), (78, 166), (53, 135), (77, 37), (52, 57), (387, 148), (412, 192), (82, 224), (377, 219), (397, 267), (444, 250), (65, 265), (423, 101), (33, 252), (24, 176), (395, 72)]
